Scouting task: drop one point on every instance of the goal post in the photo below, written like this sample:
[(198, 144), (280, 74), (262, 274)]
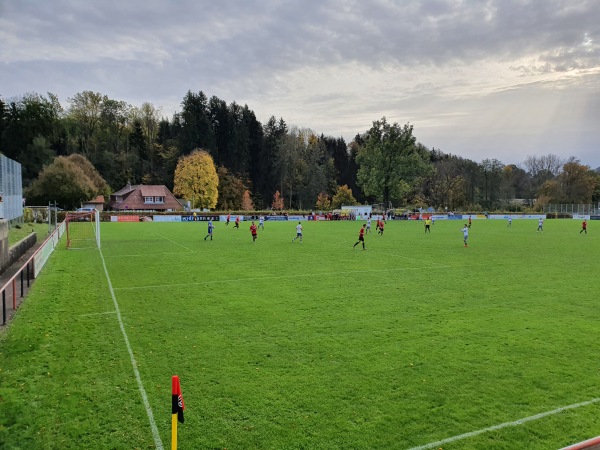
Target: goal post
[(83, 229)]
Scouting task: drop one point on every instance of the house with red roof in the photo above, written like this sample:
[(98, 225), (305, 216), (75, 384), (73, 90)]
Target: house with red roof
[(96, 203), (144, 198)]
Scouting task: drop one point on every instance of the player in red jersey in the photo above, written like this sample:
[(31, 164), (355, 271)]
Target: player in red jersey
[(228, 219), (254, 232), (361, 237), (237, 222), (381, 226), (583, 227)]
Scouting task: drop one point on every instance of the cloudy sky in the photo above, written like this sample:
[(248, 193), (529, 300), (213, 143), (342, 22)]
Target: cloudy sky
[(476, 78)]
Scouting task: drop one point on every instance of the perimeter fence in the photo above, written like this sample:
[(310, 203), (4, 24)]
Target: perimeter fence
[(573, 208), (15, 286)]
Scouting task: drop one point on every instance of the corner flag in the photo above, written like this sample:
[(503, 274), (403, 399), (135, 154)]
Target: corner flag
[(177, 408), (177, 399)]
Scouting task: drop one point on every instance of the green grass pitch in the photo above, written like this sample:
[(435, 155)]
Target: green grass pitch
[(282, 345)]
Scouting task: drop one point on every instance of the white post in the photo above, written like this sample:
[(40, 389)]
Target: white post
[(97, 218)]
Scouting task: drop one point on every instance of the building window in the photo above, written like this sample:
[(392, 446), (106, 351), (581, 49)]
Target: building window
[(154, 200)]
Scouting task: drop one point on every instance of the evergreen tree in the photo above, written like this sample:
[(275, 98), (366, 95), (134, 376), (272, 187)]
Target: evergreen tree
[(196, 130), (263, 177)]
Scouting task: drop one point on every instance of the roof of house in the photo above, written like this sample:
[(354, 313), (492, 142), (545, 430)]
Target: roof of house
[(133, 198), (153, 191), (126, 190), (99, 200)]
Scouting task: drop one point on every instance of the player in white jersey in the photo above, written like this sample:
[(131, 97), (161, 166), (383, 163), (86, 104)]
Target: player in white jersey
[(541, 225), (368, 225), (261, 222), (465, 231), (298, 232), (509, 221)]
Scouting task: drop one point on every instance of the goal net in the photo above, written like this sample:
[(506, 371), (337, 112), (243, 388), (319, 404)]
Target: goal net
[(83, 229)]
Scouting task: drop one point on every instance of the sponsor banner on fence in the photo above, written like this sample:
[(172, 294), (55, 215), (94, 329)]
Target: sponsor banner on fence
[(516, 216), (426, 216), (199, 218), (297, 218), (594, 217), (231, 219), (124, 218), (530, 216), (276, 218), (46, 249), (581, 216), (166, 218)]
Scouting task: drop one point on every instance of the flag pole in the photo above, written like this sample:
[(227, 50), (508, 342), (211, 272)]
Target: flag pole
[(174, 432)]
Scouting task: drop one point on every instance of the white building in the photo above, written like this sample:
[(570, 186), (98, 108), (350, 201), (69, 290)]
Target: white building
[(358, 210), (11, 189)]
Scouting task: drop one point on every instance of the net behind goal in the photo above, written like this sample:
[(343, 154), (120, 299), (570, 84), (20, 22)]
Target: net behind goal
[(83, 229)]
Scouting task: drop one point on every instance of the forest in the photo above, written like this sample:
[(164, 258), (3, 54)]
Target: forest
[(385, 164)]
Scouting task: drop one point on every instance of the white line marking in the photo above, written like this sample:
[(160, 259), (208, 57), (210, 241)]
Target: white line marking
[(157, 440), (276, 277), (405, 257), (147, 255), (505, 425), (164, 237), (97, 314)]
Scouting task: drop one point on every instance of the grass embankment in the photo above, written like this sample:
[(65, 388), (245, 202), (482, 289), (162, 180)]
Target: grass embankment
[(16, 234)]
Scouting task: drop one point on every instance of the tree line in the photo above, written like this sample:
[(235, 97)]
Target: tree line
[(254, 161)]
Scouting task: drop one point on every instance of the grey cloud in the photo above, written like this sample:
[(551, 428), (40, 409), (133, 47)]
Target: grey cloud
[(248, 36), (255, 51)]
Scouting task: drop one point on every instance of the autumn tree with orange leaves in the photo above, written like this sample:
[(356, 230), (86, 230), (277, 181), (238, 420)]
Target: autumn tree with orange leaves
[(277, 201), (247, 203)]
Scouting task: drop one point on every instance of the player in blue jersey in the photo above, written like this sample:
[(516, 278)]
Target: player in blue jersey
[(210, 230)]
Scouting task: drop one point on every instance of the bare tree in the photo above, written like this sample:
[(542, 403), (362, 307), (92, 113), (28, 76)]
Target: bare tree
[(541, 169)]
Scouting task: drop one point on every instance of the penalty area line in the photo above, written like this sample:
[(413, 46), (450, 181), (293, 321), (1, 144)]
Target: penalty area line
[(277, 277), (177, 243), (157, 441), (505, 425), (97, 314), (148, 255), (409, 258)]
